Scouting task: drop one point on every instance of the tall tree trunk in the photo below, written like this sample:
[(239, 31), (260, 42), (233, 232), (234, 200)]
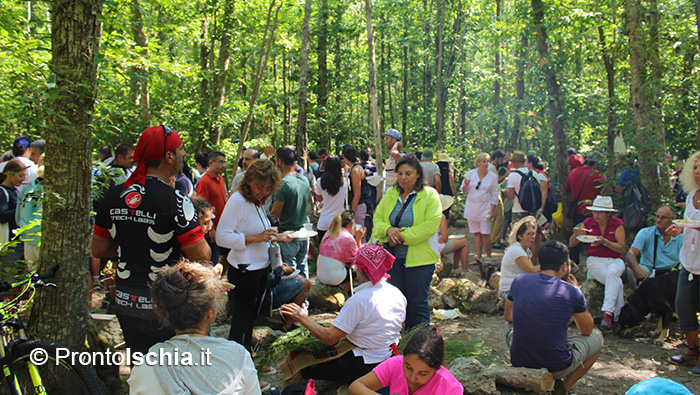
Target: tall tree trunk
[(390, 80), (204, 98), (59, 314), (139, 74), (609, 63), (372, 68), (258, 73), (697, 26), (404, 101), (646, 95), (460, 130), (555, 105), (382, 86), (439, 60), (287, 100), (302, 139), (222, 62), (519, 93), (498, 71), (323, 67)]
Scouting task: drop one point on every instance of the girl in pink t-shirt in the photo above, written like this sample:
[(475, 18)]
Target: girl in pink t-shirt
[(418, 371)]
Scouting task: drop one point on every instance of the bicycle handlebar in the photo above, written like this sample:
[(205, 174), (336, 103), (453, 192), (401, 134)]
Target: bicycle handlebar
[(35, 279)]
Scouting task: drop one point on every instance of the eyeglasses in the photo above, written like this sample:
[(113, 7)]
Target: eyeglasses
[(166, 132), (662, 217), (530, 234), (478, 184)]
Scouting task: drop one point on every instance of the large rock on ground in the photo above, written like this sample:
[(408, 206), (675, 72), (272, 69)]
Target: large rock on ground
[(459, 294), (263, 336), (435, 299), (495, 280), (595, 294), (445, 284), (327, 298), (484, 301), (474, 377), (110, 330)]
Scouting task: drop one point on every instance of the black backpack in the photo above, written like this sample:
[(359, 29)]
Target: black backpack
[(552, 204), (636, 207), (530, 194)]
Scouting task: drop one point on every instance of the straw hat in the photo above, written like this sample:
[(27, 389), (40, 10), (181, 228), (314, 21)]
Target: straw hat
[(446, 201), (444, 158), (602, 203), (513, 236)]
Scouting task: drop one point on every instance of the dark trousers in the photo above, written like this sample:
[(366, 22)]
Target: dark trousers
[(575, 252), (414, 283), (345, 369), (140, 334), (244, 302)]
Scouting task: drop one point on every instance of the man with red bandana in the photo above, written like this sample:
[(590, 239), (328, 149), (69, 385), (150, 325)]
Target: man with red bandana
[(148, 225)]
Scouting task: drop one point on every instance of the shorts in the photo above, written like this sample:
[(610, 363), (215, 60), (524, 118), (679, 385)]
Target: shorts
[(483, 227), (447, 247), (286, 290), (583, 348)]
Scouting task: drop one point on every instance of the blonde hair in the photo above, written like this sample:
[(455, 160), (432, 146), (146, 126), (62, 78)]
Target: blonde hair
[(341, 220), (687, 176), (262, 172), (481, 156), (520, 228), (184, 293)]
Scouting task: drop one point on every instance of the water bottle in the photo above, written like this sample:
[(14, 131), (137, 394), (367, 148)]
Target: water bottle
[(275, 256)]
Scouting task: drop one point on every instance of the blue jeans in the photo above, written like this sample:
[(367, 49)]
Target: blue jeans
[(294, 254), (688, 301), (414, 283)]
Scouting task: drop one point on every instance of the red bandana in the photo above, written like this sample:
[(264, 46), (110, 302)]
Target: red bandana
[(150, 148)]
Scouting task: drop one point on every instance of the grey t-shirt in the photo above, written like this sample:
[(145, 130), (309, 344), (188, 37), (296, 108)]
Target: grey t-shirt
[(430, 169)]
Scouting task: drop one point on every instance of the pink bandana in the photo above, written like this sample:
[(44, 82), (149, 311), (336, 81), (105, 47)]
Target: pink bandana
[(374, 261)]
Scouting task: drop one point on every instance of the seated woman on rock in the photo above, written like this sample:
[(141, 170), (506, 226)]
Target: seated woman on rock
[(517, 259), (362, 334), (188, 298), (338, 249), (418, 371), (444, 244)]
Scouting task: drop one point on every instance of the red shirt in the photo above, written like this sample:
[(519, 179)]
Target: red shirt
[(575, 161), (609, 233), (574, 185), (213, 191)]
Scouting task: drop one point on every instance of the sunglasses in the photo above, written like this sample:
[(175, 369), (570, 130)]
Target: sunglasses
[(478, 184), (166, 132)]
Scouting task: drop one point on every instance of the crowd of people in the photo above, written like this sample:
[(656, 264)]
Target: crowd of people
[(181, 237)]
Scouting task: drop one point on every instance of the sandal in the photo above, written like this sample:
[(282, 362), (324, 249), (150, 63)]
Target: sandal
[(689, 358)]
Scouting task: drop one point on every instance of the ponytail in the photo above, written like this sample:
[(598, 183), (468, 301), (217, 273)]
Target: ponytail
[(341, 220)]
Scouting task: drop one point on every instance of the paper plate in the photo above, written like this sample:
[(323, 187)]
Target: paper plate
[(587, 238), (687, 223), (455, 236), (292, 274), (303, 234), (103, 317)]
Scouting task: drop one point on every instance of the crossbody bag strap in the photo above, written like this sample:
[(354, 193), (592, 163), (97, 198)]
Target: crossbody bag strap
[(656, 243), (583, 185), (403, 208)]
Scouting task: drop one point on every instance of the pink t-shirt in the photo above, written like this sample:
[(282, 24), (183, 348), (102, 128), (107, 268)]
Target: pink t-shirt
[(390, 373), (342, 247), (602, 251)]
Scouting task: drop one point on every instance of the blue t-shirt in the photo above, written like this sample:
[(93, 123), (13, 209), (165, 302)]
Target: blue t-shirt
[(667, 255), (542, 308), (406, 221)]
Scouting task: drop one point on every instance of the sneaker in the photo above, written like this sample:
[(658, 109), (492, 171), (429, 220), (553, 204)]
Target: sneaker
[(695, 371), (606, 324), (689, 358)]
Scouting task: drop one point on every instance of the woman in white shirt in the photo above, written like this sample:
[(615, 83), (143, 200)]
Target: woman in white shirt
[(245, 229), (481, 187), (687, 300), (331, 190), (517, 258)]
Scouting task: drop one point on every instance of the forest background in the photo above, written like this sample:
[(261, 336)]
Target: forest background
[(458, 76)]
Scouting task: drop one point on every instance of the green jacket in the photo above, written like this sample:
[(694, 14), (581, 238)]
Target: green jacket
[(427, 214)]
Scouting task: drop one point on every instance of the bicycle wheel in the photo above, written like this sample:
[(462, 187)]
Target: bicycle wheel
[(61, 378)]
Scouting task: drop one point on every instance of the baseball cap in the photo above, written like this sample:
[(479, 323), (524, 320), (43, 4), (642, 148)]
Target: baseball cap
[(393, 133)]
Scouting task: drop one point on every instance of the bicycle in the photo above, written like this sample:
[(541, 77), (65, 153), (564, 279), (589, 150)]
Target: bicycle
[(56, 375)]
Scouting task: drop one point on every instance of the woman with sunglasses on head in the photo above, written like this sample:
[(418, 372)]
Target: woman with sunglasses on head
[(481, 187)]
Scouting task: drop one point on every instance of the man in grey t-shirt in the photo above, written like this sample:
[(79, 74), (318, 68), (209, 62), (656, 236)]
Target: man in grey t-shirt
[(431, 171)]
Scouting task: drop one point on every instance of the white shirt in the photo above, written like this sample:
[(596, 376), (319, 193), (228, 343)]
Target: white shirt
[(241, 218), (332, 204), (228, 369), (509, 268), (479, 201), (690, 252), (372, 319), (237, 179)]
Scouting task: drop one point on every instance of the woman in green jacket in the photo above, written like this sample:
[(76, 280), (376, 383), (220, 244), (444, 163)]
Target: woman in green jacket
[(406, 218)]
